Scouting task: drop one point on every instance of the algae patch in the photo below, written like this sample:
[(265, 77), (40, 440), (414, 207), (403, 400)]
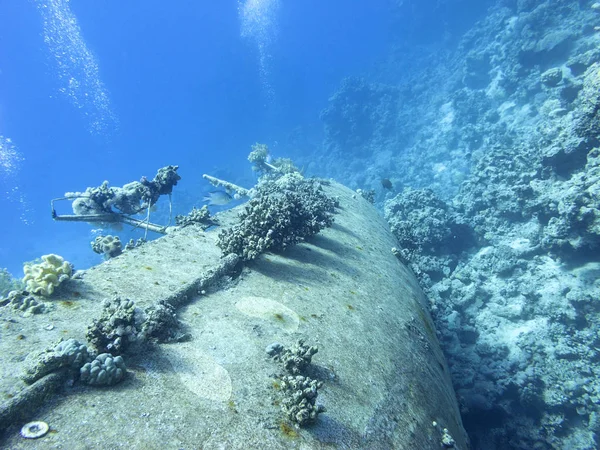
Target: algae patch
[(271, 311)]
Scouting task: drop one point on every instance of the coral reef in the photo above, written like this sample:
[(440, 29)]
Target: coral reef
[(368, 195), (260, 157), (360, 117), (262, 162), (274, 349), (104, 370), (69, 354), (132, 198), (431, 235), (299, 391), (196, 216), (116, 328), (282, 213), (299, 401), (109, 246), (160, 323), (296, 359), (122, 325), (573, 213), (423, 223), (514, 156), (44, 277), (8, 283), (504, 128), (131, 244), (19, 300), (552, 77)]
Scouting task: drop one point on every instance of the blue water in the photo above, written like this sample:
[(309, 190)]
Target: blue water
[(490, 104), (94, 91)]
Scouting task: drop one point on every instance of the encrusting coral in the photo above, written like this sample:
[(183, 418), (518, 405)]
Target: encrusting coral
[(20, 301), (132, 198), (109, 246), (116, 328), (70, 354), (122, 325), (299, 403), (199, 216), (299, 391), (296, 359)]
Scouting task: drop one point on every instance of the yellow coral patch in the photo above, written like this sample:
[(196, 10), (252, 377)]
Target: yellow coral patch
[(42, 278)]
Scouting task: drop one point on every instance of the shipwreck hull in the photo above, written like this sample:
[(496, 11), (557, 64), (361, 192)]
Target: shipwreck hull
[(385, 380)]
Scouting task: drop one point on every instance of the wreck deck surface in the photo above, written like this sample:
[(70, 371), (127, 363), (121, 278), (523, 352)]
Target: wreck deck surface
[(385, 378)]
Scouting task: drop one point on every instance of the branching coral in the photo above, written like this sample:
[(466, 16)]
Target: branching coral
[(281, 214)]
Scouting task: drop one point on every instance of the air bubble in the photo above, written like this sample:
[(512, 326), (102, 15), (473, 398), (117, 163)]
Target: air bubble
[(76, 66), (259, 26)]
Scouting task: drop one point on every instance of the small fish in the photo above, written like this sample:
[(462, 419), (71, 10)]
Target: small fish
[(387, 184), (217, 198)]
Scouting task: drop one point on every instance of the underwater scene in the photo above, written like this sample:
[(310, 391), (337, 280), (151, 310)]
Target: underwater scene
[(266, 224)]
